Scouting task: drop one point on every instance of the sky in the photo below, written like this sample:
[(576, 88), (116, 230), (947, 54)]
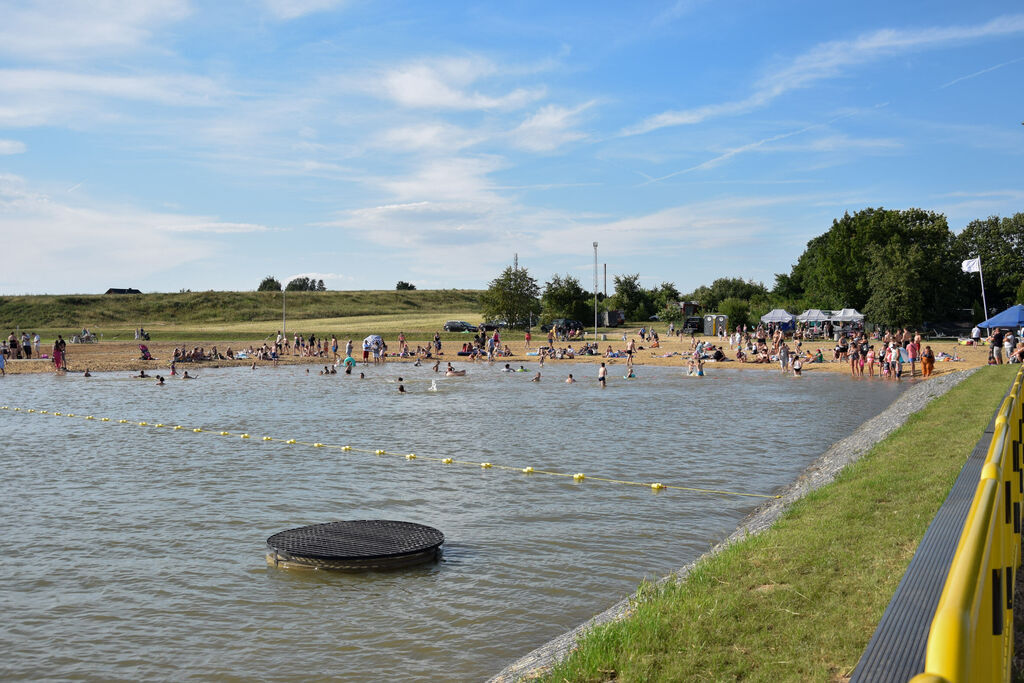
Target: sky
[(168, 145)]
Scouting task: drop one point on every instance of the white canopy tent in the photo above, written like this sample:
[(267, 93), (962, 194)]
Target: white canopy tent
[(848, 315), (778, 315), (813, 315)]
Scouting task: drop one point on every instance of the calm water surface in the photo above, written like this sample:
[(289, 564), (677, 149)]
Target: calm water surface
[(139, 553)]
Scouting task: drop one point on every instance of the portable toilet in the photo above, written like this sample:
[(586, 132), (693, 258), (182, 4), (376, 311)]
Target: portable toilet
[(721, 324), (709, 325)]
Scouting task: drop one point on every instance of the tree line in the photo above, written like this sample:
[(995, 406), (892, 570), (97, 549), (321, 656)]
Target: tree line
[(898, 267)]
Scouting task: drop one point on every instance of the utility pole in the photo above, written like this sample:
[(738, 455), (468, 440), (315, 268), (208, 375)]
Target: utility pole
[(595, 292)]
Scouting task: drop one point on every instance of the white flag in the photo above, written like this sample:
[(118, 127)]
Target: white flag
[(971, 265)]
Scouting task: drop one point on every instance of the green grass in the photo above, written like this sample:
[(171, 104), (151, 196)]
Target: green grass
[(801, 601), (128, 311)]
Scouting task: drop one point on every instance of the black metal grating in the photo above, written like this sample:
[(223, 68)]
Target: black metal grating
[(364, 539)]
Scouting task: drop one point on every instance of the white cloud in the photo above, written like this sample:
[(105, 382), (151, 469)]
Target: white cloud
[(428, 136), (828, 60), (82, 245), (11, 147), (292, 9), (53, 31), (549, 128), (448, 179), (447, 84)]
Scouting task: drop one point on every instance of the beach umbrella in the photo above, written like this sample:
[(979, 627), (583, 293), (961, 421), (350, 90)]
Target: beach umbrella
[(374, 339)]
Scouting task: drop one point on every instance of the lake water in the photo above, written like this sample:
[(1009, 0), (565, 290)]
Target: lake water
[(135, 552)]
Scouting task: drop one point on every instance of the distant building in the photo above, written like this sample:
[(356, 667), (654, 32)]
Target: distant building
[(115, 290)]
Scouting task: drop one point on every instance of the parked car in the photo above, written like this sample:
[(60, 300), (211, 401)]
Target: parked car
[(491, 325), (694, 323), (459, 326), (567, 323)]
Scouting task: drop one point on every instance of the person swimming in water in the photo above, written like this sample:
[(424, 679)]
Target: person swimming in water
[(87, 374), (569, 379), (536, 378), (362, 376), (188, 376), (401, 388), (142, 375), (159, 380)]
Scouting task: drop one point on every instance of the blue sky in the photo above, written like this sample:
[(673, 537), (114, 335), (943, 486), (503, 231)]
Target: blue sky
[(170, 144)]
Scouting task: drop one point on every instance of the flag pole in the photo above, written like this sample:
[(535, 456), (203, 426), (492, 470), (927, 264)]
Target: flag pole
[(982, 277)]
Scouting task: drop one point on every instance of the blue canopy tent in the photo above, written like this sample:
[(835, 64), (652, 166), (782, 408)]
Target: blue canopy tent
[(1011, 317)]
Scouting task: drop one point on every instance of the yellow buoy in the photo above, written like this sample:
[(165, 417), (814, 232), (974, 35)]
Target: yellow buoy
[(657, 486), (379, 451), (225, 433), (410, 456), (318, 445), (197, 429), (446, 461), (89, 417), (528, 470), (579, 476), (177, 427), (141, 424), (346, 448), (290, 441), (158, 424), (104, 419), (268, 438), (31, 410), (69, 414), (243, 436), (485, 465)]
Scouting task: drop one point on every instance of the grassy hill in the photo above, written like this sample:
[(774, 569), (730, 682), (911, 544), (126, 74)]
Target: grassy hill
[(225, 310)]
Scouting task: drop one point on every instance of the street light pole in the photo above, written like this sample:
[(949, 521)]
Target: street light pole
[(284, 313), (595, 292)]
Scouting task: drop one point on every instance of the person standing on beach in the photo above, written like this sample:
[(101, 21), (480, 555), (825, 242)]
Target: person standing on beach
[(997, 346), (58, 357), (527, 339), (602, 376), (784, 357)]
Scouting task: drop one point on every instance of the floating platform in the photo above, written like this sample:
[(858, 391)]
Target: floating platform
[(355, 545)]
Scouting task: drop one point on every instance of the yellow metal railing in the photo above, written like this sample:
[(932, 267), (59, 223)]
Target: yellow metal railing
[(971, 636)]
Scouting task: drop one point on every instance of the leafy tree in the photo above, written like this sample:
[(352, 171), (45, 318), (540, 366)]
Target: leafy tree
[(320, 286), (738, 311), (300, 284), (403, 285), (512, 296), (1000, 244), (663, 295), (710, 298), (1020, 294), (896, 298), (839, 268), (671, 313), (630, 297), (564, 297), (269, 284)]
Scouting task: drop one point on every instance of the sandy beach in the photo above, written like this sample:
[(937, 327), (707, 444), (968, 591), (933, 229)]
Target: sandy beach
[(124, 356)]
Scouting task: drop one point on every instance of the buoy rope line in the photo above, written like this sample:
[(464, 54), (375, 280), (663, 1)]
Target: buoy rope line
[(577, 477)]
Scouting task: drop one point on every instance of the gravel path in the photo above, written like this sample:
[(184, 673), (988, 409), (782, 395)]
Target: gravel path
[(820, 472)]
